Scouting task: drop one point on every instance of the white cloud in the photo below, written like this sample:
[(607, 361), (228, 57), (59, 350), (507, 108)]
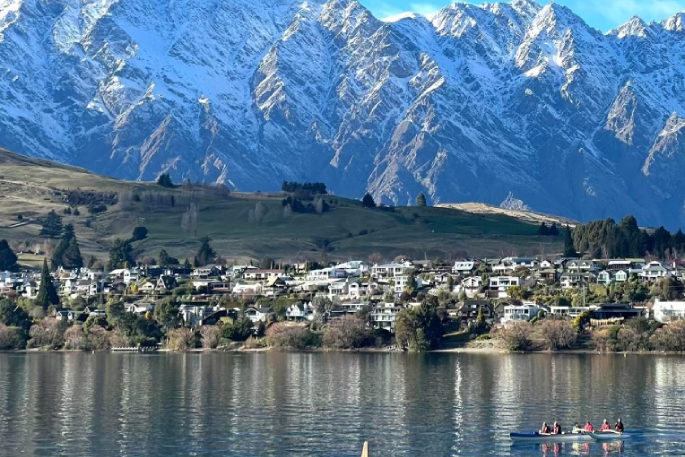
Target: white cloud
[(424, 9)]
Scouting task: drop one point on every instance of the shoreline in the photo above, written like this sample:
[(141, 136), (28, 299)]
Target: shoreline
[(462, 350)]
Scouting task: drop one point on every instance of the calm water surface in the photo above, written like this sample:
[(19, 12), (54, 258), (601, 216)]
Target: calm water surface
[(273, 404)]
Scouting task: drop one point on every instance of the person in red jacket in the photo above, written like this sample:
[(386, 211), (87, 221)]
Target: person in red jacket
[(605, 426), (589, 427)]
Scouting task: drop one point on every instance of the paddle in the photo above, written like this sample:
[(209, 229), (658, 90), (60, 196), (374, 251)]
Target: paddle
[(365, 451)]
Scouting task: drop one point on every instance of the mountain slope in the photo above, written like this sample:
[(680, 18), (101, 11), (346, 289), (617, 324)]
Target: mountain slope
[(242, 224), (472, 105)]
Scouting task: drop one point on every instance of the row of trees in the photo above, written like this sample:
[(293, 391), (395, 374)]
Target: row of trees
[(315, 188), (607, 239)]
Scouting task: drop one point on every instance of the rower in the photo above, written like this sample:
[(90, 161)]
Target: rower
[(576, 428), (589, 427), (619, 426), (545, 430), (605, 426), (556, 428)]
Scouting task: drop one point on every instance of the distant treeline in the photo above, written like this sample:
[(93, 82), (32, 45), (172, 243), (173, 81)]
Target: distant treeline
[(606, 239), (316, 188)]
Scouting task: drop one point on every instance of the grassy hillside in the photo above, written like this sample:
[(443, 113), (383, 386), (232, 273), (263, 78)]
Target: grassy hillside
[(244, 225)]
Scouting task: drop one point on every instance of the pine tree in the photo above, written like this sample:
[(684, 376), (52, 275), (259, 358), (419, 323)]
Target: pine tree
[(421, 200), (67, 253), (164, 180), (569, 249), (205, 254), (8, 259), (368, 201), (543, 230), (553, 230), (52, 225), (47, 294)]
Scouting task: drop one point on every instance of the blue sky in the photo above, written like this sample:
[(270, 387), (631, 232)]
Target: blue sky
[(601, 14)]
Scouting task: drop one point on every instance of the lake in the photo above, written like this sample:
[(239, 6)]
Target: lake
[(282, 404)]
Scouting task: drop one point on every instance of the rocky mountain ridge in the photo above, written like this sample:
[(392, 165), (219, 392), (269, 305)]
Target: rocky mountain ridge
[(478, 103)]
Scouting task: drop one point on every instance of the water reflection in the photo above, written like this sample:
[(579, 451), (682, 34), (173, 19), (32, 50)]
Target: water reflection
[(328, 404)]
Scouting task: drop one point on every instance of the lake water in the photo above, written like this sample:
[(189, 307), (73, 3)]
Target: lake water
[(277, 404)]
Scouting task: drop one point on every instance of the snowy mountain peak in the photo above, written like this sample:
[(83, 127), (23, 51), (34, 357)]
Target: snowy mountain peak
[(475, 103)]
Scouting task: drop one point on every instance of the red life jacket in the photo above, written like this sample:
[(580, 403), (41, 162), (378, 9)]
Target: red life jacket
[(605, 427)]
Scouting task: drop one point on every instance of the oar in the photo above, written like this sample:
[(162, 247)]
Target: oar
[(365, 450)]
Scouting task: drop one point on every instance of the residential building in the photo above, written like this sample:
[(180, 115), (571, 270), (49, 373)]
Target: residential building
[(384, 315), (259, 314), (521, 312), (464, 268), (668, 311), (390, 270)]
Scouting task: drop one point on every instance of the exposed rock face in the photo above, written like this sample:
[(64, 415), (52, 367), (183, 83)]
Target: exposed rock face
[(475, 104)]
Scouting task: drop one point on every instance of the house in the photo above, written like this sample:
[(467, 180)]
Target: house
[(384, 315), (326, 274), (353, 268), (207, 271), (523, 312), (262, 275), (667, 311), (147, 287), (548, 275), (606, 278), (194, 312), (654, 271), (572, 280), (467, 314), (70, 315), (259, 314), (582, 266), (502, 284), (464, 268), (247, 289), (471, 286), (390, 270), (140, 307), (616, 311), (300, 311), (568, 311), (166, 283)]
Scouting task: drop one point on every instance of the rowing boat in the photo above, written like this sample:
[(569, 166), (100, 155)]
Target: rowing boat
[(544, 438), (564, 437)]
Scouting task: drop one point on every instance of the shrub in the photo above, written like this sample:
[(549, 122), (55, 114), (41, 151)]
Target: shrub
[(485, 337), (631, 340), (180, 339), (47, 333), (670, 338), (349, 332), (11, 338), (602, 339), (211, 336), (558, 334), (284, 336), (75, 338), (516, 335), (98, 338)]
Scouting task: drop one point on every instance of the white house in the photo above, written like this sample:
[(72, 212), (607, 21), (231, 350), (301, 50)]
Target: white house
[(471, 286), (654, 271), (354, 268), (258, 314), (503, 283), (300, 312), (390, 270), (325, 274), (582, 266), (524, 312), (383, 315), (667, 311), (139, 307), (464, 268), (262, 275), (247, 289)]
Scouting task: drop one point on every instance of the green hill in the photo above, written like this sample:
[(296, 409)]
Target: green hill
[(242, 225)]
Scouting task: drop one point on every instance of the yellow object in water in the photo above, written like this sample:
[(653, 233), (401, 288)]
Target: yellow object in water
[(365, 450)]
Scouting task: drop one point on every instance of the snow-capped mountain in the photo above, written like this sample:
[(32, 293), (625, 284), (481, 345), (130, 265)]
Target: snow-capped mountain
[(476, 103)]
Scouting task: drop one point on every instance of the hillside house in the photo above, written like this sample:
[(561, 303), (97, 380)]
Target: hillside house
[(521, 312), (668, 311)]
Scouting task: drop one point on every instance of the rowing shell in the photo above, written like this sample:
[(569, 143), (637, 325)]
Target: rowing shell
[(563, 438)]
